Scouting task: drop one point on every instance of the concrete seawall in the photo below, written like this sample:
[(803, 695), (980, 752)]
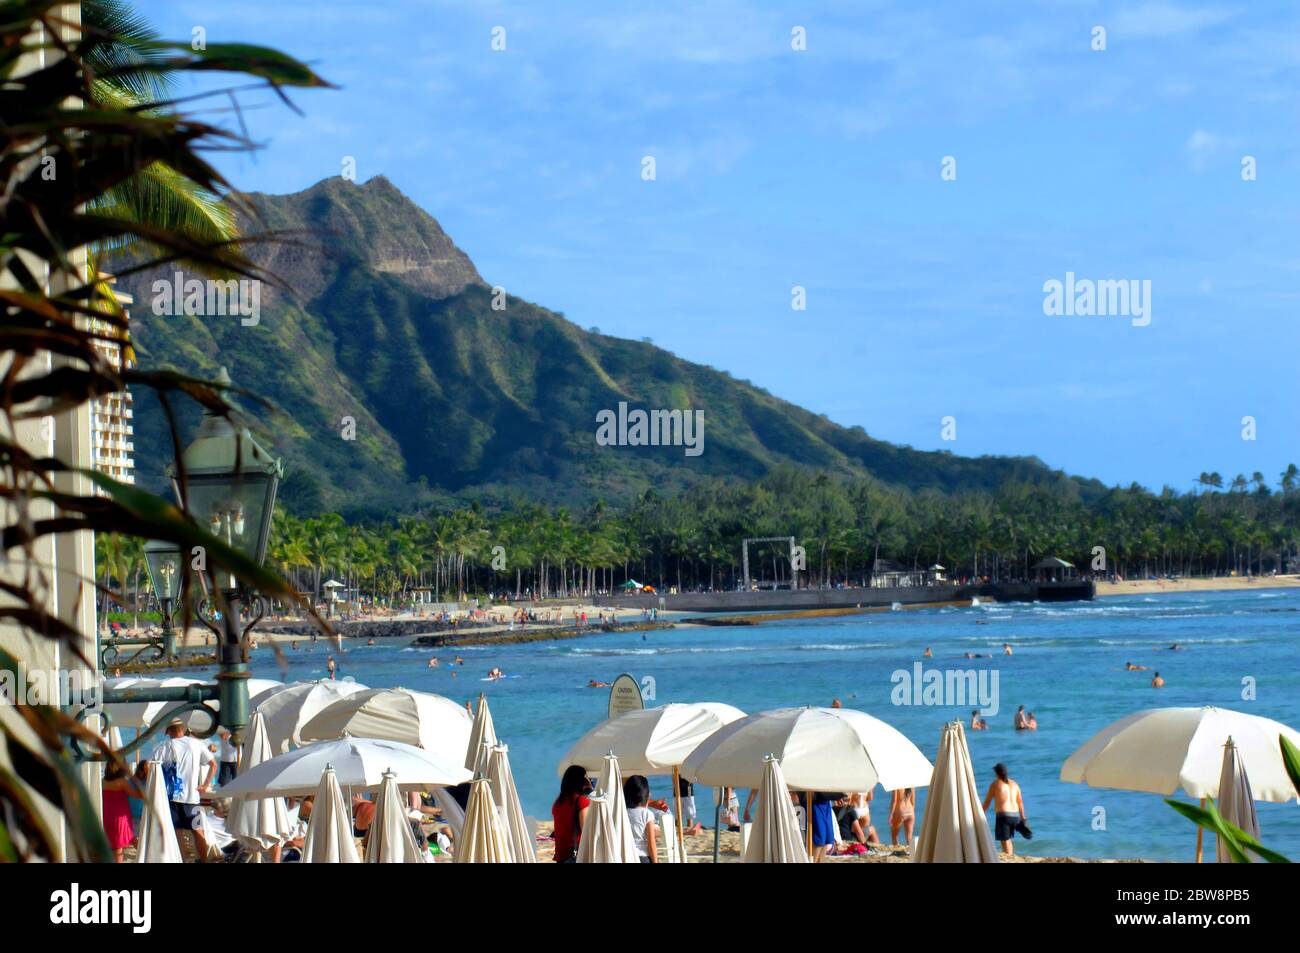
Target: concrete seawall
[(766, 600)]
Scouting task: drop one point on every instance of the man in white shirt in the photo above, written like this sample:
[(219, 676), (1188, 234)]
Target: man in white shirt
[(229, 769), (183, 760)]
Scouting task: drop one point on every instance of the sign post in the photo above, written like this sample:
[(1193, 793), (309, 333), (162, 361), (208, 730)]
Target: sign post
[(624, 696)]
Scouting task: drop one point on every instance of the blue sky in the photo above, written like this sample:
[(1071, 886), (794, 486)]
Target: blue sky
[(821, 168)]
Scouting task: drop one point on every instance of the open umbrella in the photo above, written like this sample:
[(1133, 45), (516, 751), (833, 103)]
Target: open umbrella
[(390, 840), (287, 709), (621, 842), (954, 829), (519, 836), (359, 763), (775, 838), (820, 749), (1236, 802), (1163, 750), (428, 721), (482, 733), (158, 843), (600, 840), (482, 840), (329, 832), (258, 823)]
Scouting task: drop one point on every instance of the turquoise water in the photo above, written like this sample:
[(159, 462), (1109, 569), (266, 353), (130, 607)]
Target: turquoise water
[(1067, 669)]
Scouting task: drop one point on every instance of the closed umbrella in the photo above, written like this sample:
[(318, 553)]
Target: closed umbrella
[(482, 733), (142, 714), (390, 840), (774, 838), (258, 823), (954, 829), (519, 836), (1164, 750), (611, 783), (428, 721), (288, 709), (482, 840), (359, 764), (1236, 801), (820, 749), (158, 844), (600, 841), (329, 832)]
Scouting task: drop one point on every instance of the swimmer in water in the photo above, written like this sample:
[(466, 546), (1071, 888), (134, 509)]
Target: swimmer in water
[(1157, 682), (1175, 647), (1031, 723), (1022, 723), (1130, 667), (927, 653), (459, 660), (433, 663), (1006, 648), (595, 684), (976, 722)]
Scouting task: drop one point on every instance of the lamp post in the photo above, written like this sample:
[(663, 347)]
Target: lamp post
[(162, 560), (229, 484)]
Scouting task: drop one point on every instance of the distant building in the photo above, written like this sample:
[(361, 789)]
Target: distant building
[(888, 574), (112, 428)]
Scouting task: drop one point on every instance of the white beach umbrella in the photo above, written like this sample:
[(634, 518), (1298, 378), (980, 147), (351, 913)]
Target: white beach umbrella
[(428, 721), (288, 709), (611, 785), (775, 837), (359, 763), (820, 749), (519, 836), (483, 839), (329, 832), (1162, 750), (651, 740), (482, 733), (954, 829), (452, 813), (600, 840), (158, 843), (1236, 802), (258, 823), (390, 840)]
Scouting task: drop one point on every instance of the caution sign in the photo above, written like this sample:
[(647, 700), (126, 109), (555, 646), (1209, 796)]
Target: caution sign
[(624, 696)]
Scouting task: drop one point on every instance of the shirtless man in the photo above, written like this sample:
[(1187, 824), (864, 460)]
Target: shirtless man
[(1130, 667), (976, 722), (1031, 723), (1006, 648), (928, 653), (1008, 807), (433, 663), (1022, 723), (1157, 682)]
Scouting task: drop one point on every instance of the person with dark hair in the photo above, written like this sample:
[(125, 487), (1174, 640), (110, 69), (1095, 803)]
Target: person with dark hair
[(119, 788), (1008, 807), (976, 722), (569, 813), (636, 792)]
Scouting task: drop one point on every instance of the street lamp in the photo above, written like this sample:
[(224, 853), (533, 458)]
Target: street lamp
[(163, 560), (230, 481)]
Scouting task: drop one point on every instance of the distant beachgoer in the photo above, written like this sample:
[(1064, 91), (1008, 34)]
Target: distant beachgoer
[(836, 703), (331, 666), (1031, 723), (1006, 648), (823, 823), (433, 663), (902, 814), (1157, 682), (495, 674), (118, 790), (569, 813), (370, 641), (1175, 647), (595, 684), (229, 757), (1130, 667), (928, 653), (686, 793), (459, 660), (976, 722), (1021, 722), (1008, 807), (636, 792)]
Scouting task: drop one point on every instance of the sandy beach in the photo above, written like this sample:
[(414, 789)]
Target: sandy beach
[(1209, 584)]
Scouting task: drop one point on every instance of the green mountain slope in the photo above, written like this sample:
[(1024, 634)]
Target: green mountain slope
[(391, 325)]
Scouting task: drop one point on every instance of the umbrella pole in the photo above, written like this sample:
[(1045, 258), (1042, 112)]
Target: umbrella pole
[(807, 820), (677, 800), (1200, 835), (717, 822)]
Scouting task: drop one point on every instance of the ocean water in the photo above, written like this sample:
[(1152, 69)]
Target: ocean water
[(1067, 669)]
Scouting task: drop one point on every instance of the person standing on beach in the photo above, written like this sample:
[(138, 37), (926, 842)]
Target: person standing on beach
[(229, 769), (569, 813), (183, 759), (1008, 807), (902, 814)]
